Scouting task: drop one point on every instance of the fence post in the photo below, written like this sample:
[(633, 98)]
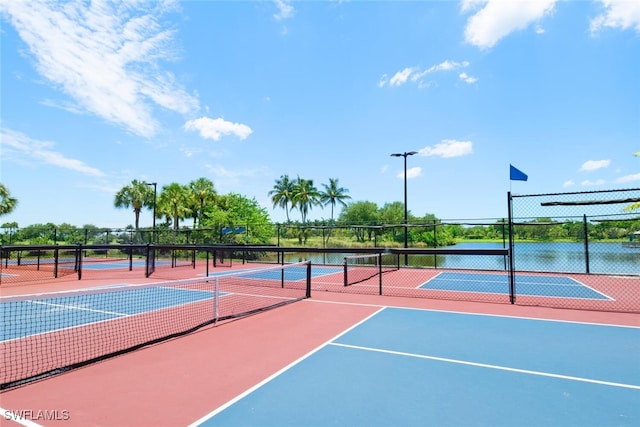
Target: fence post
[(512, 281), (586, 242)]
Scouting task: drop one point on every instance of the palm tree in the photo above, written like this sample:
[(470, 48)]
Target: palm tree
[(304, 196), (333, 194), (173, 202), (136, 195), (201, 192), (282, 193), (7, 203)]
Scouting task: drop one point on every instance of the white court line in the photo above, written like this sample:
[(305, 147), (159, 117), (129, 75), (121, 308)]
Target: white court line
[(77, 307), (529, 281), (484, 365), (286, 368), (518, 282), (468, 313), (593, 289), (261, 296)]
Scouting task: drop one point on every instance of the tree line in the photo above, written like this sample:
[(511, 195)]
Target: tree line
[(197, 207)]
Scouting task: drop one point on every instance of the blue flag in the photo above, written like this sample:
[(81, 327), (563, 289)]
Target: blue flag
[(516, 175)]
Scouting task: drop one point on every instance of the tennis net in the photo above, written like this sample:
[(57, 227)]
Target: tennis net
[(358, 268), (46, 334), (37, 263)]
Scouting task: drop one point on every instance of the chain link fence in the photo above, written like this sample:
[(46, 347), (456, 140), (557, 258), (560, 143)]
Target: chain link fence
[(588, 239)]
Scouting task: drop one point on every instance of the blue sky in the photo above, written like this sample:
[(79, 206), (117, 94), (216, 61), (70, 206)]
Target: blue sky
[(96, 94)]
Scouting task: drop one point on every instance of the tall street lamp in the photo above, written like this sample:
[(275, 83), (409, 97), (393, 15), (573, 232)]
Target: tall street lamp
[(406, 232), (155, 188)]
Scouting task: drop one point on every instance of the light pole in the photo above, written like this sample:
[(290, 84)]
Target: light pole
[(155, 188), (406, 233)]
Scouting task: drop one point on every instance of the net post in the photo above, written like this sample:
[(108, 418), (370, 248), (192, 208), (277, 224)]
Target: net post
[(79, 260), (207, 265), (380, 273), (55, 262), (345, 272), (308, 294), (150, 264), (146, 266)]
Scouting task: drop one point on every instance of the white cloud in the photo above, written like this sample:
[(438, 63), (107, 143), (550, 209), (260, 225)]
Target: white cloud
[(568, 183), (20, 148), (216, 128), (401, 77), (413, 172), (104, 56), (618, 14), (448, 148), (285, 10), (447, 66), (591, 165), (467, 78), (417, 75), (629, 178), (498, 18), (589, 183)]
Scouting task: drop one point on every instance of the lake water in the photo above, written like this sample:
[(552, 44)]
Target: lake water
[(604, 257), (609, 258)]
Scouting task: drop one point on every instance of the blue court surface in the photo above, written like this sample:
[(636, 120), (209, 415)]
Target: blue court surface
[(104, 265), (31, 317), (291, 273), (408, 367), (533, 285)]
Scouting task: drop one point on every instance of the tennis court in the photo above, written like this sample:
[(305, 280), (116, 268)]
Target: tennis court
[(297, 273), (421, 367), (333, 359), (527, 284), (52, 314)]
